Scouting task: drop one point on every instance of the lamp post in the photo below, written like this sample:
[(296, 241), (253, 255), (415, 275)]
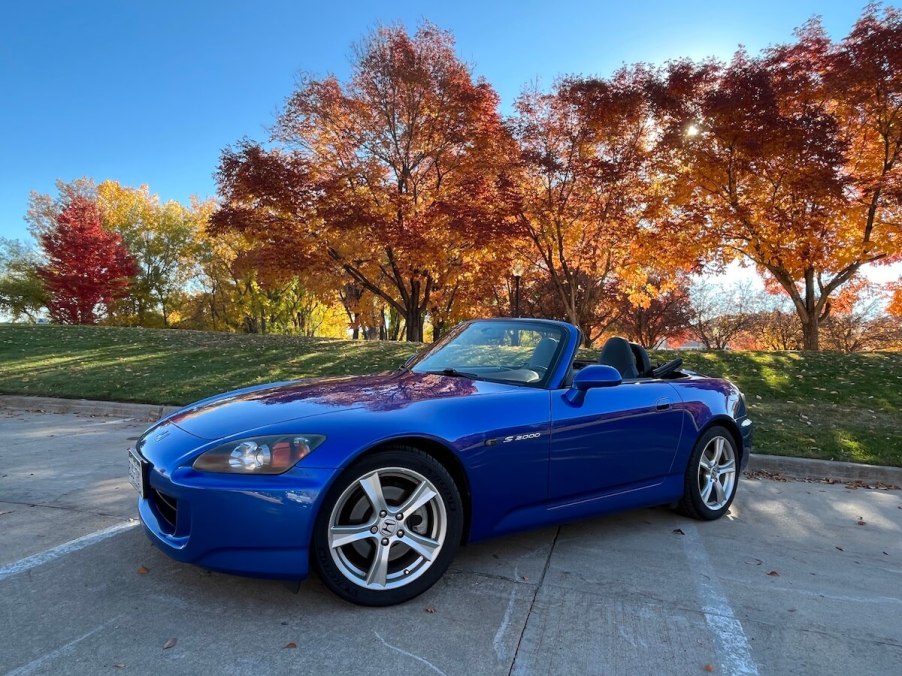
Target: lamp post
[(517, 272)]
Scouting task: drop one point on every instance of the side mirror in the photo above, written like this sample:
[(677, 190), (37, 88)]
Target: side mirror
[(596, 375), (589, 377), (410, 359)]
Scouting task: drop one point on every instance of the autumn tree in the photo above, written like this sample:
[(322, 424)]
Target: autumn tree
[(162, 237), (776, 329), (44, 208), (792, 158), (87, 268), (21, 288), (719, 314), (894, 306), (859, 321), (664, 315), (592, 201), (395, 177)]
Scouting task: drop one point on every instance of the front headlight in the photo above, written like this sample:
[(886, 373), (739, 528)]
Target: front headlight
[(259, 455)]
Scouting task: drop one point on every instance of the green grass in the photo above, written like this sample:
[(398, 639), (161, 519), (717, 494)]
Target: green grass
[(171, 367), (816, 405)]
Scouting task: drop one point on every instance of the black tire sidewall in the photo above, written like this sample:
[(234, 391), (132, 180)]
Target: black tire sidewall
[(692, 499), (408, 458)]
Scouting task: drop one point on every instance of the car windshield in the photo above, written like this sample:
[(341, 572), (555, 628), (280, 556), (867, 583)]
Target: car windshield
[(516, 352)]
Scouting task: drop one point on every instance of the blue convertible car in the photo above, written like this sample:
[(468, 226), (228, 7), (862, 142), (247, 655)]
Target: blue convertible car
[(375, 481)]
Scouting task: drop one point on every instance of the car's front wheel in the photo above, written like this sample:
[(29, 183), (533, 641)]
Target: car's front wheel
[(389, 528), (712, 476)]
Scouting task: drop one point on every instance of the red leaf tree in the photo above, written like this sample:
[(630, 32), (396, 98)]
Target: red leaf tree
[(88, 268), (394, 179)]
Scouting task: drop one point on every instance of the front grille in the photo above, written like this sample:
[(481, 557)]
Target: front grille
[(166, 508)]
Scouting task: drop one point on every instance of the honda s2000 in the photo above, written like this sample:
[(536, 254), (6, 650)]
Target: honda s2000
[(375, 481)]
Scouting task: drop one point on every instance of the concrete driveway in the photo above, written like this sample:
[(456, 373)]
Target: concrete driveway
[(788, 583)]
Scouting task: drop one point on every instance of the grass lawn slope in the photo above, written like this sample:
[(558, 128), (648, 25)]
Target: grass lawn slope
[(817, 405)]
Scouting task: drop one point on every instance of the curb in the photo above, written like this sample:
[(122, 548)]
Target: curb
[(112, 409), (801, 468), (807, 468)]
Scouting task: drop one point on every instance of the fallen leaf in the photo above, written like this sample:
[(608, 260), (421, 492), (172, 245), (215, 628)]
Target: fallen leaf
[(119, 665), (774, 573), (143, 571), (791, 610), (709, 668), (678, 531), (291, 645), (170, 643), (840, 548), (429, 610)]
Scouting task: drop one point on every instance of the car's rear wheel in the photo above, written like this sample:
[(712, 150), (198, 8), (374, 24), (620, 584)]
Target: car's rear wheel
[(712, 476), (389, 528)]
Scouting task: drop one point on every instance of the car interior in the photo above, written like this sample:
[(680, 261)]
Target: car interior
[(631, 360)]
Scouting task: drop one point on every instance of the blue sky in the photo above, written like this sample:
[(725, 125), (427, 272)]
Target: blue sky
[(150, 92)]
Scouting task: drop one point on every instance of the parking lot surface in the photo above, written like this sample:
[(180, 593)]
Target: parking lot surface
[(800, 578)]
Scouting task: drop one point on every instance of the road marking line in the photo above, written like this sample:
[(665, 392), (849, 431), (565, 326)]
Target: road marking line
[(59, 652), (66, 548), (736, 656)]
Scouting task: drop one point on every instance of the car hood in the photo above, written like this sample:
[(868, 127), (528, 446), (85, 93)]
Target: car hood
[(252, 408)]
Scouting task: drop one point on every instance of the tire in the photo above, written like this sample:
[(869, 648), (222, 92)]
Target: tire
[(408, 552), (711, 476)]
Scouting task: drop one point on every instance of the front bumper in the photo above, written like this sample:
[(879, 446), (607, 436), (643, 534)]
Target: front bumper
[(259, 526)]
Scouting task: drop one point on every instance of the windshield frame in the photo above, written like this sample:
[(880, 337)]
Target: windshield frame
[(538, 325)]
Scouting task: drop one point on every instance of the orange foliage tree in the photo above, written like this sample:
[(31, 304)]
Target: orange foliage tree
[(665, 315), (792, 159), (592, 201), (394, 179), (895, 303)]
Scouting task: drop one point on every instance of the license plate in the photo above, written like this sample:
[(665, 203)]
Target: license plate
[(136, 471)]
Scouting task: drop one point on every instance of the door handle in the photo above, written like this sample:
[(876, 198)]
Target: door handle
[(663, 404)]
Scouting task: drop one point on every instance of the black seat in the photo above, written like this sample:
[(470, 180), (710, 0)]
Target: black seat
[(543, 354), (618, 353), (643, 363)]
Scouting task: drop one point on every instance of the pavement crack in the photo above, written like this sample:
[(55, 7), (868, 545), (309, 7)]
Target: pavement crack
[(63, 508), (532, 601)]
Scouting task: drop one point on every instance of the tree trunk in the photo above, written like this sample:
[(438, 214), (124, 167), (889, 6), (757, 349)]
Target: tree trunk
[(438, 328), (414, 321), (587, 333), (395, 322), (811, 331)]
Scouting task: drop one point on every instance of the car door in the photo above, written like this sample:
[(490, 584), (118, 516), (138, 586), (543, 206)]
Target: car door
[(616, 437)]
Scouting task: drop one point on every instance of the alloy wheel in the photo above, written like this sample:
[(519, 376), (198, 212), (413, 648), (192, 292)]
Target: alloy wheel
[(717, 473), (387, 528)]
